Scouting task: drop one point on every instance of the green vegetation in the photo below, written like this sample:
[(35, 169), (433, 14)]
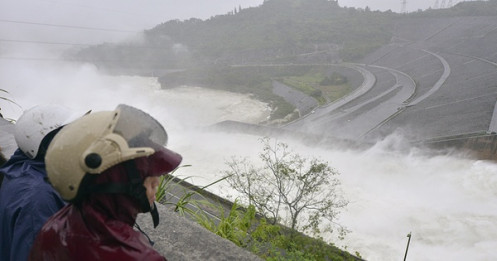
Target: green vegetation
[(289, 188), (463, 8), (278, 30), (252, 228), (307, 84), (334, 79), (289, 32), (245, 228), (321, 85), (166, 183)]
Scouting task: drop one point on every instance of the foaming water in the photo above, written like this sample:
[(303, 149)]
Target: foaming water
[(82, 87), (447, 202)]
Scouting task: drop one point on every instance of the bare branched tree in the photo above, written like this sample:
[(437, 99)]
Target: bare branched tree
[(288, 188)]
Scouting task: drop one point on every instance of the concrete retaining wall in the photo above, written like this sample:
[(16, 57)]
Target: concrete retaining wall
[(480, 146)]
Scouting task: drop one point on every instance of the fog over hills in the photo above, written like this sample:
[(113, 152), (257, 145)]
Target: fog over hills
[(447, 66), (426, 75)]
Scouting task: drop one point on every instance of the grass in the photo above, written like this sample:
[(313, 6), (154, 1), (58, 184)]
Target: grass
[(310, 84), (243, 226), (335, 92)]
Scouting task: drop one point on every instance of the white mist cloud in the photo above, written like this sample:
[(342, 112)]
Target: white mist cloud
[(83, 87), (445, 201), (91, 22), (448, 203)]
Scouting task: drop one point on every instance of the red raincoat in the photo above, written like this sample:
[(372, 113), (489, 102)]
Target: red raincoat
[(100, 228)]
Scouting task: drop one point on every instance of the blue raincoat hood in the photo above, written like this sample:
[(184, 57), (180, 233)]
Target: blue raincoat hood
[(27, 200), (21, 164)]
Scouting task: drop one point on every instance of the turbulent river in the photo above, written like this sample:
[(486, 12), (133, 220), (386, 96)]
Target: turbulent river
[(447, 203)]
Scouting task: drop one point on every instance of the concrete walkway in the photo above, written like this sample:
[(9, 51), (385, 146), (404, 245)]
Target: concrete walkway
[(179, 239)]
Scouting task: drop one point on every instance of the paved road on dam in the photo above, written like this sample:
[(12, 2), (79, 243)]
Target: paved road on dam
[(356, 121), (439, 83)]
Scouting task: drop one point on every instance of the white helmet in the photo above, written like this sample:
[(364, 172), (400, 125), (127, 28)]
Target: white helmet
[(35, 123)]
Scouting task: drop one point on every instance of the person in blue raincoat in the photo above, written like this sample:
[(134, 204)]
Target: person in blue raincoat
[(27, 200)]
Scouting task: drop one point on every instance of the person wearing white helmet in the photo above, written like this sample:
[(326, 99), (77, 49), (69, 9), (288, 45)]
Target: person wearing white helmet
[(27, 200), (107, 166)]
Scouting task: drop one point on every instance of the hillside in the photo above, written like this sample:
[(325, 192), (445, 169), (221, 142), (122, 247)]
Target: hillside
[(431, 73), (276, 31), (435, 80)]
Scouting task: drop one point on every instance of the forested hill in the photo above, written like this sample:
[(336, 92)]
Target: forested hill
[(278, 31), (280, 28)]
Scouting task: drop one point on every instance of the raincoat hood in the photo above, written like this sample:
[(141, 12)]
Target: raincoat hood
[(19, 159), (27, 201)]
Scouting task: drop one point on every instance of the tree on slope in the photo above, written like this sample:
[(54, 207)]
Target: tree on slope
[(290, 189)]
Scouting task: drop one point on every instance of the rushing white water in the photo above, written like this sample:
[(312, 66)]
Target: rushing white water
[(447, 202)]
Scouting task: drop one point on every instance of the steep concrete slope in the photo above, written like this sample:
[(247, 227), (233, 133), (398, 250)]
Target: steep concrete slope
[(436, 78), (452, 62)]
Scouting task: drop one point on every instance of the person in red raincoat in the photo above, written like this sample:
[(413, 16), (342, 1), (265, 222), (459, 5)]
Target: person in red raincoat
[(107, 165)]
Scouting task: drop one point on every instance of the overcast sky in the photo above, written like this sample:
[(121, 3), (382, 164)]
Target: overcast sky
[(33, 20)]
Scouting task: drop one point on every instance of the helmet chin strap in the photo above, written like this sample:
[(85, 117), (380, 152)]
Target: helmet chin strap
[(138, 191), (133, 188), (155, 215)]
